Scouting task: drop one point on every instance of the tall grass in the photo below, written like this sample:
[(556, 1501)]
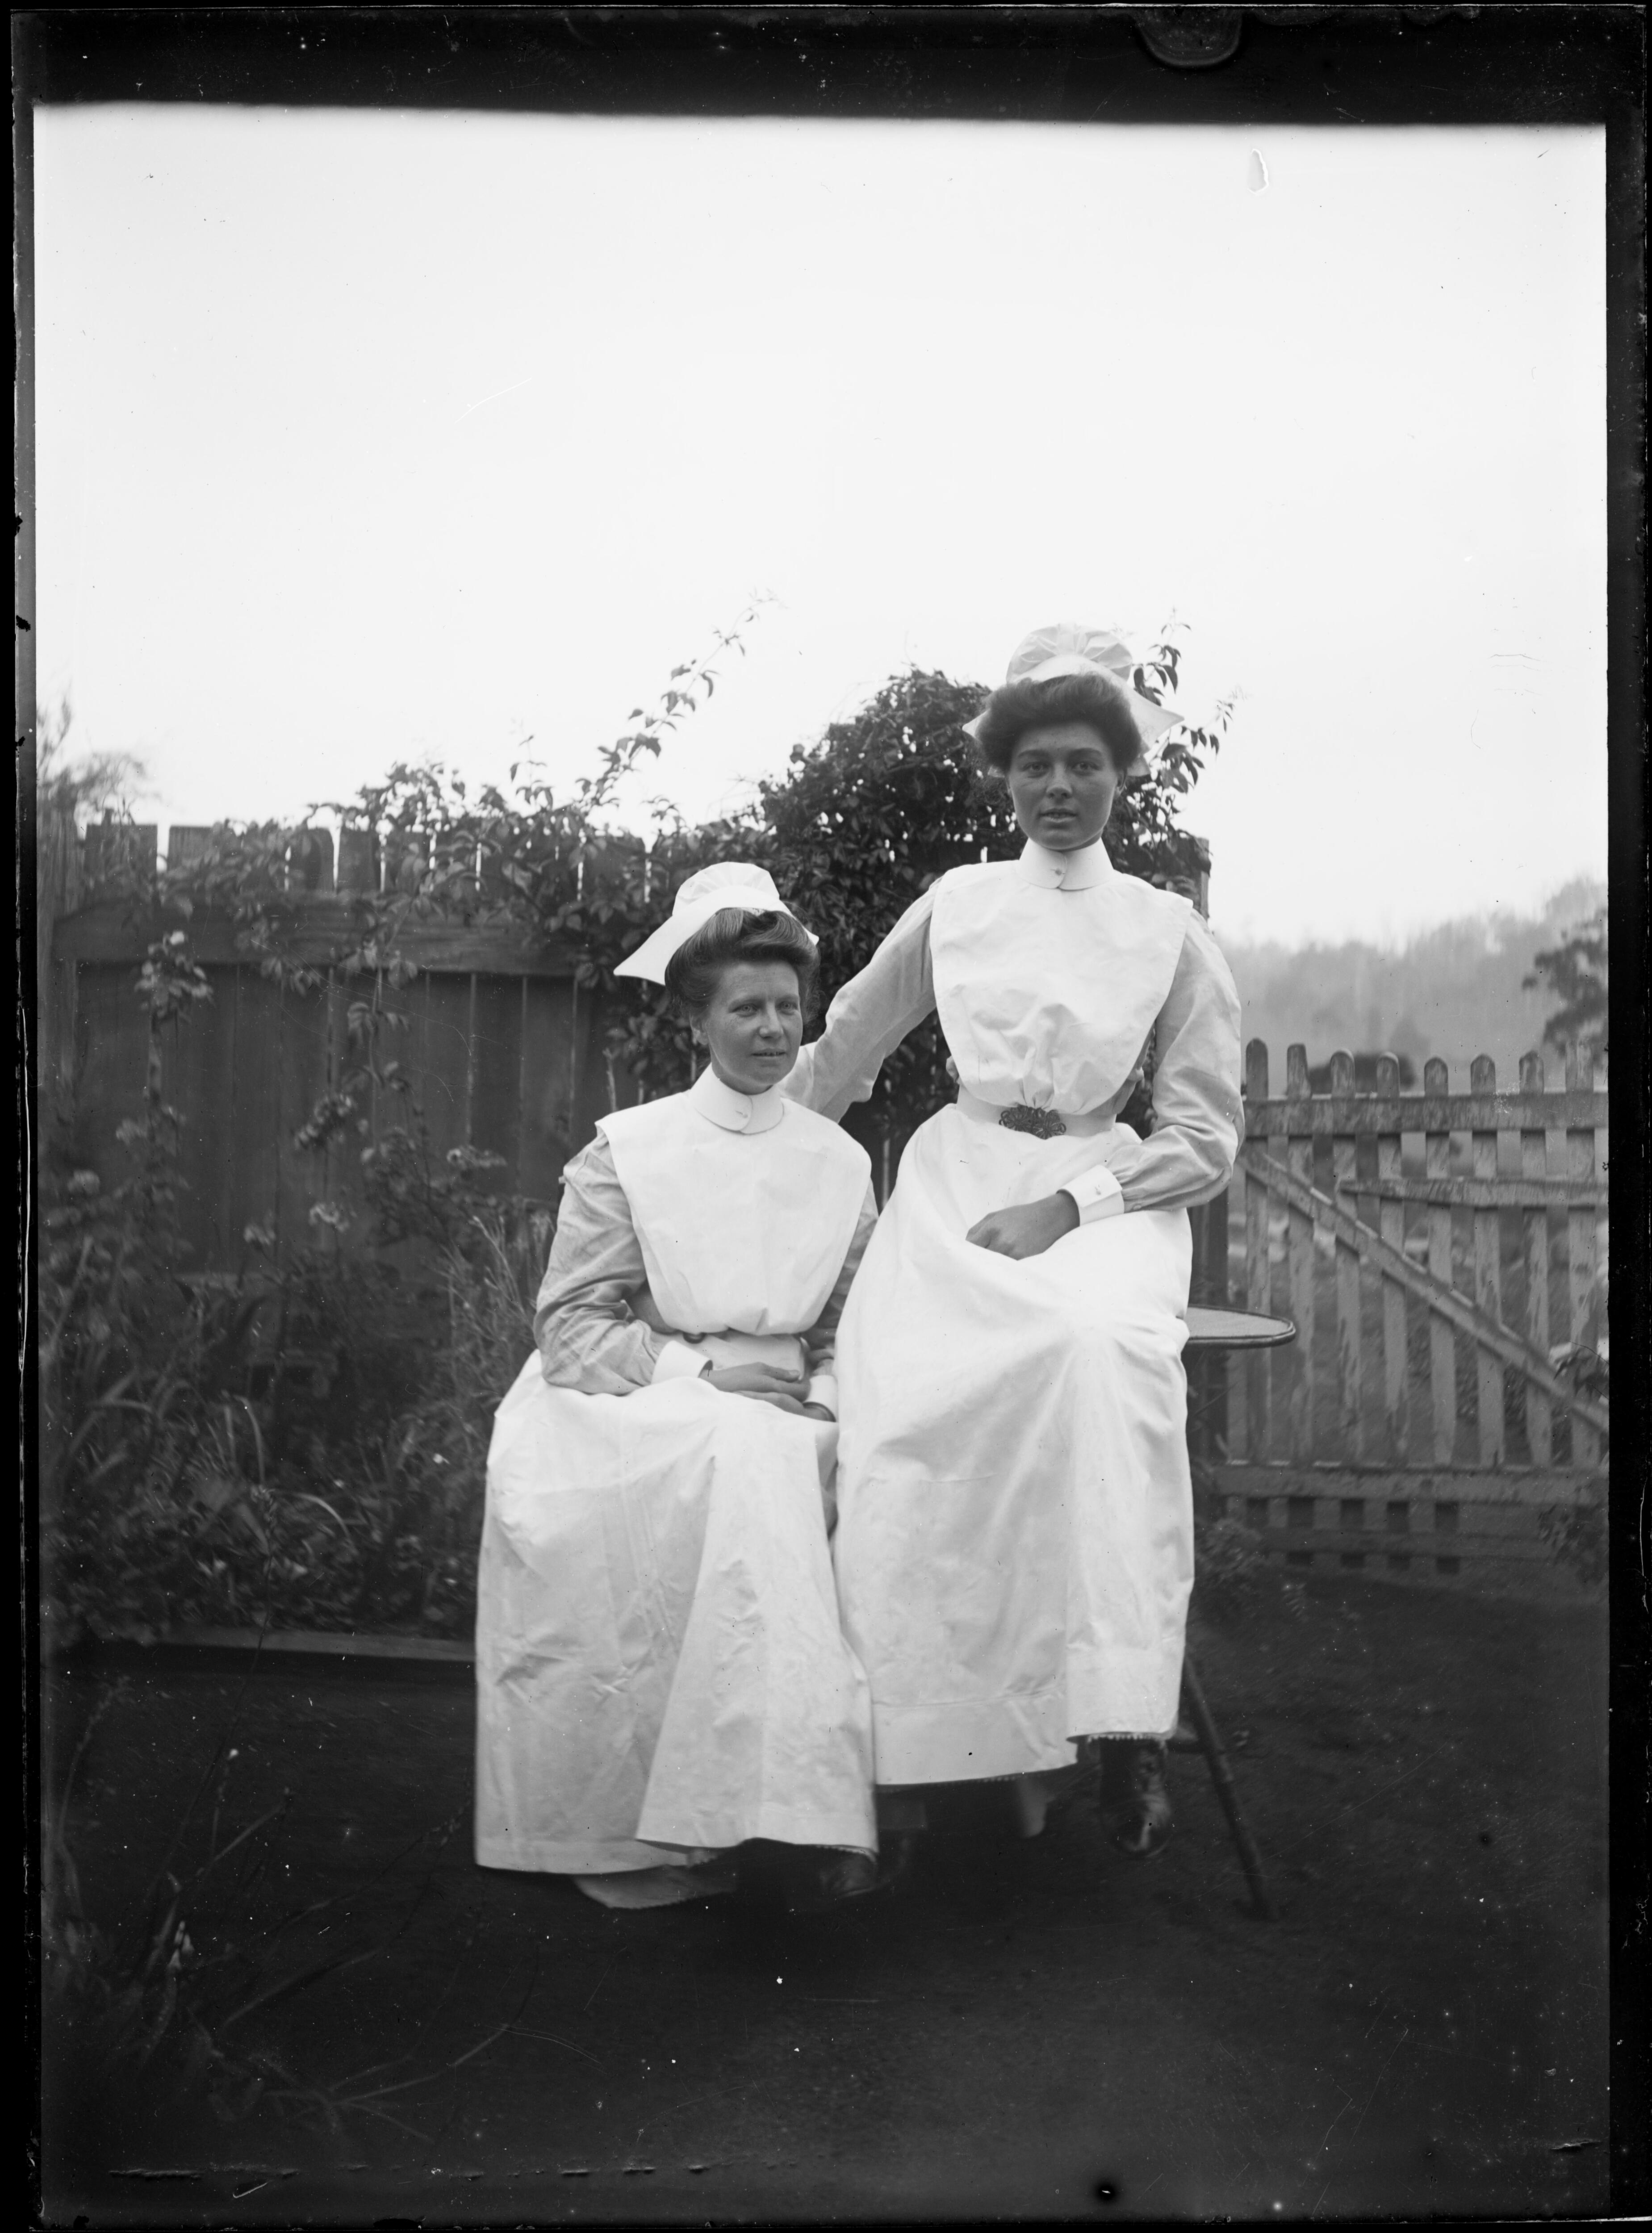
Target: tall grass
[(432, 1461), (335, 1481)]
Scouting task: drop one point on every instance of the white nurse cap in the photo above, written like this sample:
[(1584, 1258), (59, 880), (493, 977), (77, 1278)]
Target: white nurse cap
[(1069, 648), (724, 884)]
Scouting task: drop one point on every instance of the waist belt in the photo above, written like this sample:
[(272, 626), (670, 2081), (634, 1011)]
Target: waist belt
[(1041, 1124)]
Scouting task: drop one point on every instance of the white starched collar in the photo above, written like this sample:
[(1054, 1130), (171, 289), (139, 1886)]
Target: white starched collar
[(736, 1112), (1066, 872)]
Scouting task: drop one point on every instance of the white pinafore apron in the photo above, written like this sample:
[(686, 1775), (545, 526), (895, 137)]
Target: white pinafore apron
[(661, 1669), (1014, 1548)]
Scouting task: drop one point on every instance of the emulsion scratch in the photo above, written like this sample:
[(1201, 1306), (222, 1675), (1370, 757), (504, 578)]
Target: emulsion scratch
[(494, 397), (1370, 2097), (1348, 2103)]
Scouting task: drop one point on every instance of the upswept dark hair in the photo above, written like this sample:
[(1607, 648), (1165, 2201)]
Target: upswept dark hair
[(1095, 700), (739, 934)]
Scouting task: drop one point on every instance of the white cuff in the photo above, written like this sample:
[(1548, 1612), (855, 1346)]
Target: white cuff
[(822, 1389), (1095, 1193), (678, 1360)]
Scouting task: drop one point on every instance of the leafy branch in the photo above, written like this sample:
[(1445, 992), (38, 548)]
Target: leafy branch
[(1574, 972), (688, 688)]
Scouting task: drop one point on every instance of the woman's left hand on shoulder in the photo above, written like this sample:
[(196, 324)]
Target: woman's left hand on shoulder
[(1028, 1229)]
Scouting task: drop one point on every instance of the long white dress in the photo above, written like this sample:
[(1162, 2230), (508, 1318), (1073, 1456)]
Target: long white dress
[(1014, 1548), (660, 1670)]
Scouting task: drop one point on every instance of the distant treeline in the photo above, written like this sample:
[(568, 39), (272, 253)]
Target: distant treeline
[(1451, 992)]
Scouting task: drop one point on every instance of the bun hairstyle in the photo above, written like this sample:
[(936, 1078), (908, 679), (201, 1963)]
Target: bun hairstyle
[(695, 970), (1095, 700)]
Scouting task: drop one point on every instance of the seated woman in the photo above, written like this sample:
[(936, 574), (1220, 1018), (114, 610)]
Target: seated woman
[(660, 1673), (1015, 1547)]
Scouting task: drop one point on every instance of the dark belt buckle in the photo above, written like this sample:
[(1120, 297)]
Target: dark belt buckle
[(1043, 1124)]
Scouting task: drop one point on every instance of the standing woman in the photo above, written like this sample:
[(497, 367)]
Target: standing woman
[(661, 1678), (1014, 1548)]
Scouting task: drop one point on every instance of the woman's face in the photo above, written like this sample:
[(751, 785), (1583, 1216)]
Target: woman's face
[(1062, 784), (753, 1025)]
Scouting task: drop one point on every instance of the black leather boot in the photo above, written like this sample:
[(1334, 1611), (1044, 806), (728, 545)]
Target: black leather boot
[(820, 1881), (1137, 1812)]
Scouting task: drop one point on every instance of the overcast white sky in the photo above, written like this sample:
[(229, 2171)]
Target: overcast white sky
[(374, 436)]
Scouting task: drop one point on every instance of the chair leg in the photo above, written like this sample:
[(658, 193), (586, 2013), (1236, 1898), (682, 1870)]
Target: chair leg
[(1222, 1776)]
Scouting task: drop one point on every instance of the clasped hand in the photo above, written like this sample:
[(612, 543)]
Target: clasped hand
[(1026, 1229), (767, 1383)]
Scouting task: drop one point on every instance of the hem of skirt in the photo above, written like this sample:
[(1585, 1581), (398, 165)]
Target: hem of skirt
[(553, 1860), (550, 1859), (1015, 1774), (789, 1828), (674, 1886), (986, 1742)]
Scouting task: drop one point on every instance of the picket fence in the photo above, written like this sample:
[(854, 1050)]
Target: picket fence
[(1438, 1253)]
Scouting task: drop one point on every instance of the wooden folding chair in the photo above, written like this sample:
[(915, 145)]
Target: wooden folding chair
[(1217, 1333)]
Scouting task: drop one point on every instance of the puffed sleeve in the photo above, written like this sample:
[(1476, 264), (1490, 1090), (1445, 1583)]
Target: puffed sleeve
[(869, 1017), (822, 1338), (1198, 1114), (588, 1335)]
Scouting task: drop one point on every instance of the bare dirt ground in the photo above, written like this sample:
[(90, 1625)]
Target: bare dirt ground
[(1032, 2028)]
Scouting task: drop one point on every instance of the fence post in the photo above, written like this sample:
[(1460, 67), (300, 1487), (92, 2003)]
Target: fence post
[(113, 849), (1239, 1409), (187, 841), (310, 861), (1580, 1244), (1259, 1274), (1488, 1272), (1396, 1376), (1350, 1362), (406, 859), (358, 860), (1534, 1164), (1442, 1346), (1299, 1257), (57, 893)]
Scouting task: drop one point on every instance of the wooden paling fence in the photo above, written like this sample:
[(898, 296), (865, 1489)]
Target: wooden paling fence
[(1435, 1250), (499, 1048)]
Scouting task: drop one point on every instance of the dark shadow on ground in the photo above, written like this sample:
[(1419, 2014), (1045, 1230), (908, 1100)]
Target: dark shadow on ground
[(1031, 2029)]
